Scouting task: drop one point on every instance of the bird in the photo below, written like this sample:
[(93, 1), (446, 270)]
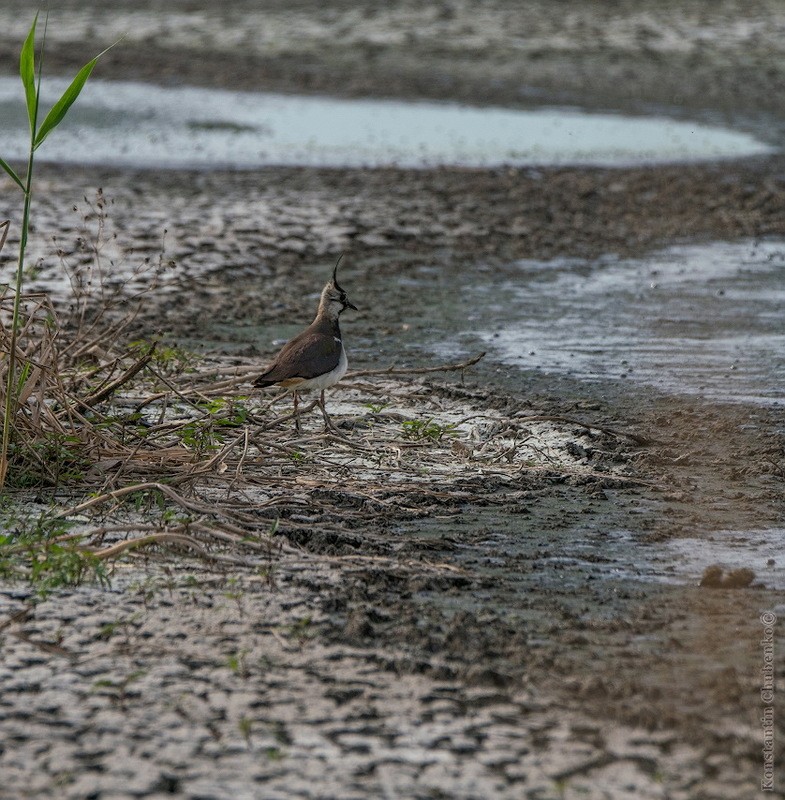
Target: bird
[(315, 358)]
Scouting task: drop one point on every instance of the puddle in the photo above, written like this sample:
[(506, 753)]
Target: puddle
[(759, 550), (704, 320), (140, 125), (682, 561), (585, 565)]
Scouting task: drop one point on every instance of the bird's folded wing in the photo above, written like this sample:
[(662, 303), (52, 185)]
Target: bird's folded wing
[(306, 356)]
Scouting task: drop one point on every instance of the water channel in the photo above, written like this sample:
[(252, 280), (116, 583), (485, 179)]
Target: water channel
[(138, 125)]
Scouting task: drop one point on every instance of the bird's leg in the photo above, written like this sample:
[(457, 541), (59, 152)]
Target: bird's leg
[(328, 423), (296, 413)]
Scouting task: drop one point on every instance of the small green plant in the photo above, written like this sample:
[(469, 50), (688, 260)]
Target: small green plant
[(38, 134), (206, 435), (228, 412), (168, 359), (147, 588), (148, 500), (376, 408), (269, 575), (237, 663), (124, 625), (58, 457), (301, 629), (108, 630), (419, 429), (35, 548), (245, 726), (235, 593), (118, 690), (200, 437)]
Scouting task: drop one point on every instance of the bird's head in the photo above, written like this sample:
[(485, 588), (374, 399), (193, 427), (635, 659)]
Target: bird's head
[(334, 299)]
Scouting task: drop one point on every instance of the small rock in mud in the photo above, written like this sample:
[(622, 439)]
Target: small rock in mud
[(715, 577), (358, 626)]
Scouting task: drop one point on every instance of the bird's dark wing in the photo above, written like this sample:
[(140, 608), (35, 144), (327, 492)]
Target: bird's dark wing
[(308, 355)]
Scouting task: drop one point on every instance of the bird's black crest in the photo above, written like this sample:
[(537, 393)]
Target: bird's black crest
[(335, 273)]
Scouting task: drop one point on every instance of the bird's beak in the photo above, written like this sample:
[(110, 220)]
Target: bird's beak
[(352, 306)]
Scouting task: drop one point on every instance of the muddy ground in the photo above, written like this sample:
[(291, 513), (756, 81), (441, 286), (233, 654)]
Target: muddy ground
[(520, 666)]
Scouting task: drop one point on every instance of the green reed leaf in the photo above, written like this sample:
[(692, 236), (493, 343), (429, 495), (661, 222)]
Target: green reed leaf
[(60, 108), (12, 174), (27, 73)]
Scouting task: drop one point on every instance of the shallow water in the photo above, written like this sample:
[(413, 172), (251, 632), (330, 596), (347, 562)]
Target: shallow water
[(701, 319), (680, 561), (139, 125), (591, 564), (759, 550)]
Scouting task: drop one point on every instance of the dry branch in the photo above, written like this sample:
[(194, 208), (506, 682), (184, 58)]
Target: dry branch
[(130, 373), (144, 541), (117, 494)]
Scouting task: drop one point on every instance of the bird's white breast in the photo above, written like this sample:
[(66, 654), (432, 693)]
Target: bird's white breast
[(329, 378)]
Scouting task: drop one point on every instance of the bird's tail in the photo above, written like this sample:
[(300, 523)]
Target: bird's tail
[(263, 381)]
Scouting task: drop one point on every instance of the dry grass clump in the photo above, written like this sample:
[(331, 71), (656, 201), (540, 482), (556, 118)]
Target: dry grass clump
[(49, 436), (68, 360)]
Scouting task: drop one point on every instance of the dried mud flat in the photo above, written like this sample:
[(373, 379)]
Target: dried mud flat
[(425, 620)]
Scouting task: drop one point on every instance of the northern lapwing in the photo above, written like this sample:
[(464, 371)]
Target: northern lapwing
[(315, 358)]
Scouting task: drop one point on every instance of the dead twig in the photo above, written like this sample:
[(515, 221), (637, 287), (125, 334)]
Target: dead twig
[(110, 389), (144, 541), (190, 505), (17, 617), (4, 225)]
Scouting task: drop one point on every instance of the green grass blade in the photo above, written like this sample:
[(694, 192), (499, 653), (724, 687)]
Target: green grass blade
[(60, 108), (12, 175), (27, 73)]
